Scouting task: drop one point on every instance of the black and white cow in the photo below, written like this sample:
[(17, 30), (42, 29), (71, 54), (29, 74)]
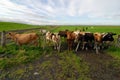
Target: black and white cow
[(101, 39)]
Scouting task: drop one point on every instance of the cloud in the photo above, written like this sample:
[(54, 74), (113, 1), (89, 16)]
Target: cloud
[(61, 11), (100, 8)]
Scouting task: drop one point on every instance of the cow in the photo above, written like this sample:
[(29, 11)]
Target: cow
[(43, 31), (54, 38), (48, 36), (102, 38), (76, 33), (70, 39), (63, 33), (97, 41), (108, 36), (118, 37), (79, 37), (24, 38), (86, 38), (57, 41)]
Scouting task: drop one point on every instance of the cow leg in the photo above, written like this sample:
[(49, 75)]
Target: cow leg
[(96, 48), (54, 46), (86, 46), (19, 45), (77, 46), (83, 47), (69, 46), (59, 46), (68, 43), (44, 42), (47, 42), (35, 43), (72, 42)]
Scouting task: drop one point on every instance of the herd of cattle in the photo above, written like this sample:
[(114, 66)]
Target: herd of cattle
[(74, 39)]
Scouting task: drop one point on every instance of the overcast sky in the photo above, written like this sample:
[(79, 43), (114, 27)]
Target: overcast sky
[(98, 12)]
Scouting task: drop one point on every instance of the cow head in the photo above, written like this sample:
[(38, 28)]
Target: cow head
[(108, 36), (11, 35), (98, 37), (63, 33), (112, 33), (70, 35)]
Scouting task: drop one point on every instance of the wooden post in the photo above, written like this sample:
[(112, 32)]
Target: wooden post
[(3, 39)]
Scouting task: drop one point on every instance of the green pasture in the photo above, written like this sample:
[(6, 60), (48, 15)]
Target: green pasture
[(68, 62), (15, 26), (101, 29)]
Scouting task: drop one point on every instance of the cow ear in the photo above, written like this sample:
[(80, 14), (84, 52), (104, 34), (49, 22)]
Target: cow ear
[(10, 33), (95, 34)]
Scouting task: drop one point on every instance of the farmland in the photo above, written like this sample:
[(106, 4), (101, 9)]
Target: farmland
[(15, 26), (92, 28), (37, 63)]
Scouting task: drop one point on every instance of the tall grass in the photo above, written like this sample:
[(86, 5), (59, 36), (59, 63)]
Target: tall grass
[(12, 55), (114, 51)]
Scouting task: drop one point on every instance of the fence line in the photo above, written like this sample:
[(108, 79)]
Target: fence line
[(3, 38)]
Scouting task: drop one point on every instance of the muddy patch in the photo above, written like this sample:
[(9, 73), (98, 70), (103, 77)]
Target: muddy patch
[(102, 66)]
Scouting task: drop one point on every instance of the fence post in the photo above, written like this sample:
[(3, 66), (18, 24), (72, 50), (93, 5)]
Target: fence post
[(3, 39)]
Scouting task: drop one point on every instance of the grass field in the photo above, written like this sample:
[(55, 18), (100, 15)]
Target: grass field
[(17, 60), (90, 28), (115, 29), (18, 26), (15, 26)]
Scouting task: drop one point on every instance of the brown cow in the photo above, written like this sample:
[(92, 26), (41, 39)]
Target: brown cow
[(71, 36), (74, 37), (24, 38), (98, 41)]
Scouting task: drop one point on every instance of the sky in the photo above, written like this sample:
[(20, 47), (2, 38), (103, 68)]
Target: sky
[(61, 12)]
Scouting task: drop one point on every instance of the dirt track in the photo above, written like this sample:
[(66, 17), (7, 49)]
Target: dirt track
[(101, 66)]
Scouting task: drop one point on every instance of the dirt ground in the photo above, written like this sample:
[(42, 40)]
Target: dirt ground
[(101, 65)]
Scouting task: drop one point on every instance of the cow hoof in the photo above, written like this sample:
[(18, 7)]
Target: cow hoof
[(86, 49), (75, 52), (82, 48)]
